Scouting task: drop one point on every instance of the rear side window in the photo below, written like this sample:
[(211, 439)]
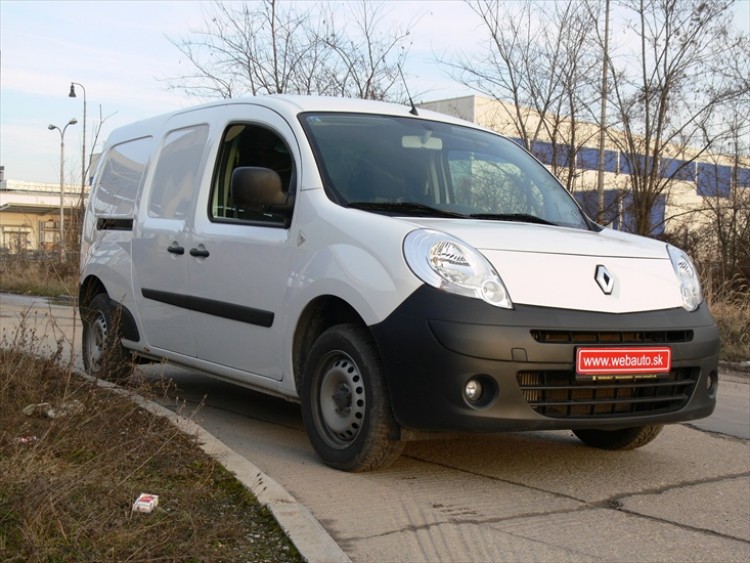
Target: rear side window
[(257, 146), (178, 173), (121, 178)]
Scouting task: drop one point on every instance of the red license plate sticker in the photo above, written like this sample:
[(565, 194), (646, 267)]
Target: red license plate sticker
[(623, 361)]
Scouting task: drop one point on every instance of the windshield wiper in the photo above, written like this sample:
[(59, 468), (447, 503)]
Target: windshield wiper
[(520, 217), (406, 207), (414, 208)]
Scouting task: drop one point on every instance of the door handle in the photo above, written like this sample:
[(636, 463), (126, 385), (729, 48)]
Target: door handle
[(175, 248), (199, 253)]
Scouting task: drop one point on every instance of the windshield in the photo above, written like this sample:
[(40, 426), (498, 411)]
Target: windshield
[(406, 166)]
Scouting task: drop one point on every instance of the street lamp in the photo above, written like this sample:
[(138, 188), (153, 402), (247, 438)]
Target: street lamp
[(51, 127), (72, 94)]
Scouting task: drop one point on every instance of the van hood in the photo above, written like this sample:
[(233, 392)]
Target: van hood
[(549, 266)]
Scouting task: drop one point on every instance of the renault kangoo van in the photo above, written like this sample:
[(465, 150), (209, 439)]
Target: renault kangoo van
[(399, 273)]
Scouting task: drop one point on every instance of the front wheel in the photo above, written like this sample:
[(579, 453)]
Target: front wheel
[(103, 355), (345, 405), (622, 439)]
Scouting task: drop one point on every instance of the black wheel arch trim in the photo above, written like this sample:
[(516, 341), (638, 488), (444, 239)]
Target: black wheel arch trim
[(128, 326)]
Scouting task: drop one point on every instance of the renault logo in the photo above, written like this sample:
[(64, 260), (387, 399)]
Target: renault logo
[(604, 279)]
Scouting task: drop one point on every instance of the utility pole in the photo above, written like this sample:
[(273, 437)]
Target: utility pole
[(51, 127), (603, 118), (72, 94)]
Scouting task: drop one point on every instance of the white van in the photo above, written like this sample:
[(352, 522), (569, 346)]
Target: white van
[(398, 272)]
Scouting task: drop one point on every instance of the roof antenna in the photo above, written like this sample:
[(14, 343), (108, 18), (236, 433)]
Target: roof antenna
[(413, 109)]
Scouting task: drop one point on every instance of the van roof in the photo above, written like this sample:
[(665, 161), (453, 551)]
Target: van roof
[(286, 105), (295, 104)]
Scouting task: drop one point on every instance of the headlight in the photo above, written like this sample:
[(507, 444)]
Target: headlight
[(687, 275), (450, 264)]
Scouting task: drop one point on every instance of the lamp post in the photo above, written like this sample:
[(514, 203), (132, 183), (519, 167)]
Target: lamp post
[(72, 94), (51, 127)]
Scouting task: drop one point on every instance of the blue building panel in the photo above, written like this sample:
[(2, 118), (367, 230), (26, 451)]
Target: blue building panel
[(550, 154), (562, 155), (543, 151), (713, 180), (589, 202), (627, 219), (678, 169), (610, 161), (627, 168), (658, 213), (588, 159)]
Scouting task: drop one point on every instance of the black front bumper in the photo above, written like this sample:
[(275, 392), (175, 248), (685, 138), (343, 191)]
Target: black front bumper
[(435, 342)]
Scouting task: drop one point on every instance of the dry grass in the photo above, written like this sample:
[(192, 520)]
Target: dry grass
[(38, 274), (733, 318), (67, 484)]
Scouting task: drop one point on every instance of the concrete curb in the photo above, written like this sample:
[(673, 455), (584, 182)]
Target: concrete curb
[(312, 541), (737, 372), (740, 367)]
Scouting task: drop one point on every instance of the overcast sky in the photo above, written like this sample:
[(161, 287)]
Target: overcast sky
[(119, 51)]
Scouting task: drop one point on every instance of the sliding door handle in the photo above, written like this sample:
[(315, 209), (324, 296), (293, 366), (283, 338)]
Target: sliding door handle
[(175, 248)]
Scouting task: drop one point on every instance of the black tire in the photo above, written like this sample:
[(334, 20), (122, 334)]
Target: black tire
[(622, 439), (345, 403), (103, 354)]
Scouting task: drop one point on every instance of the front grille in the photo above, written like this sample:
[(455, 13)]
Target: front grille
[(611, 337), (558, 394)]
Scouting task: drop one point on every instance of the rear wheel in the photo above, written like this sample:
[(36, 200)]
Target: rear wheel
[(622, 439), (103, 355), (345, 404)]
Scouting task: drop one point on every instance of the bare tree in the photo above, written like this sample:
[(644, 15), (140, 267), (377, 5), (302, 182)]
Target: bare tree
[(274, 47), (368, 57), (540, 58), (725, 233), (247, 48), (667, 96), (672, 81)]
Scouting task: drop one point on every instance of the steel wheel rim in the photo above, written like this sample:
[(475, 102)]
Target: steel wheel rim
[(97, 339), (341, 400)]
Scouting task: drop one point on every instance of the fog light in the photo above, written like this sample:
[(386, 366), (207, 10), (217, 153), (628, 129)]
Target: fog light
[(712, 383), (473, 390)]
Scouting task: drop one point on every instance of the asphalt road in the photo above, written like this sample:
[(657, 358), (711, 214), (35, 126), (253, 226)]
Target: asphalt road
[(539, 496)]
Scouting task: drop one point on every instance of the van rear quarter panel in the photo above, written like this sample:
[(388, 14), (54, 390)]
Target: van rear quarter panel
[(106, 253), (110, 262)]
